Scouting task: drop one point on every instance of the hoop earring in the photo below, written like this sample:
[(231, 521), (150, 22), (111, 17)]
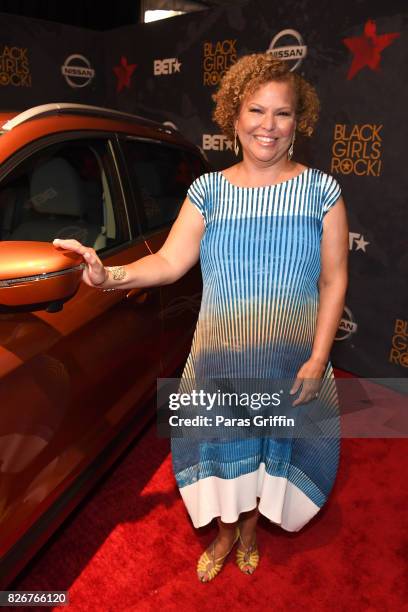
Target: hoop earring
[(290, 150), (236, 147)]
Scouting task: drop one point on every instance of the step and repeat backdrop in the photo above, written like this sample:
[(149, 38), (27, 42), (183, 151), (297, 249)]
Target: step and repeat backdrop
[(356, 56)]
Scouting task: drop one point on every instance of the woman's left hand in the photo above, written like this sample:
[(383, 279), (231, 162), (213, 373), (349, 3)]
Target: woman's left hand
[(309, 377)]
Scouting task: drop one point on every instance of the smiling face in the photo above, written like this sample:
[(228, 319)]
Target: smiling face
[(266, 122)]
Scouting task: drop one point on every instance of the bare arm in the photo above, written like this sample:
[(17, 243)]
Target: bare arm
[(179, 253), (332, 288), (333, 280)]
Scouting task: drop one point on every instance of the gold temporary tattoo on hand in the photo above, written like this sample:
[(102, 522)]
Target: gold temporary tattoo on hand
[(118, 272)]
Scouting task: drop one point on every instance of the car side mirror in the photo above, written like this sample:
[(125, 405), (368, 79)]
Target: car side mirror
[(37, 275)]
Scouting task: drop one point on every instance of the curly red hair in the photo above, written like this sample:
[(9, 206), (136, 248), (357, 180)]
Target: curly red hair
[(247, 75)]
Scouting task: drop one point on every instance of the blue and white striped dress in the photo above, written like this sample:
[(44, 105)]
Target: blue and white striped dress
[(260, 262)]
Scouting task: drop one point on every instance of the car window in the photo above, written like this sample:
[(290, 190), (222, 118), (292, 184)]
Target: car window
[(161, 175), (62, 191)]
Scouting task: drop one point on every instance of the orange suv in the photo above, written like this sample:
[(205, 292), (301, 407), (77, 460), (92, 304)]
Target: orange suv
[(78, 366)]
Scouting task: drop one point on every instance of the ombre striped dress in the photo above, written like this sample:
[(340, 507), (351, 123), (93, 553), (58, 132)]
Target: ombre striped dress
[(260, 262)]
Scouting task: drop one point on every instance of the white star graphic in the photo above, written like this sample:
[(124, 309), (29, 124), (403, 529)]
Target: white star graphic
[(361, 244), (177, 65), (228, 144)]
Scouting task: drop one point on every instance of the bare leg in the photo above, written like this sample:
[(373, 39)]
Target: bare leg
[(224, 541), (248, 522), (222, 545), (226, 532)]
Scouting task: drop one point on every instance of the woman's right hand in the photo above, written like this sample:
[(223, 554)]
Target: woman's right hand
[(94, 273)]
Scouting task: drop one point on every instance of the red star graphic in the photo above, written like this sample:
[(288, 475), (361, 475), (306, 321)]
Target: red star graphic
[(124, 73), (367, 48)]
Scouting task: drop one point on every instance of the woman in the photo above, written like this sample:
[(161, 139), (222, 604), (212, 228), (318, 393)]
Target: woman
[(272, 238)]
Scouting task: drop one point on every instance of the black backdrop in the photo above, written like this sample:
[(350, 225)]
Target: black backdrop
[(355, 53)]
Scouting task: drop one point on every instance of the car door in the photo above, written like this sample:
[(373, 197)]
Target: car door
[(69, 380), (161, 174)]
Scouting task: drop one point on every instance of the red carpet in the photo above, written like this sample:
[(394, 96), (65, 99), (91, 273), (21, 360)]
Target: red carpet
[(132, 546)]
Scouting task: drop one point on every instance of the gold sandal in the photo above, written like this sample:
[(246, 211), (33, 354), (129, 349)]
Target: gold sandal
[(205, 560), (247, 559)]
